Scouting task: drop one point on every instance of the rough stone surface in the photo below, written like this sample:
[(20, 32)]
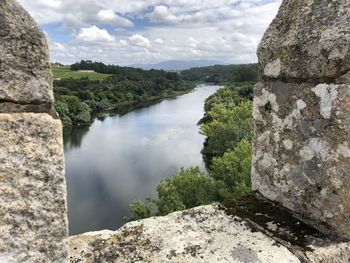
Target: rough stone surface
[(202, 234), (285, 227), (302, 154), (249, 229), (302, 113), (25, 75), (307, 40), (33, 221)]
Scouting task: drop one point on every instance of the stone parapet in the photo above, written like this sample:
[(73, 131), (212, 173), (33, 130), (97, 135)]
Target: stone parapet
[(33, 209), (302, 113)]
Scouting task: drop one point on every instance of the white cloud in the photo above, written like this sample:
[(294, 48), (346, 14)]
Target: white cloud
[(159, 41), (139, 40), (50, 3), (94, 34), (161, 13), (222, 30), (109, 17), (123, 43)]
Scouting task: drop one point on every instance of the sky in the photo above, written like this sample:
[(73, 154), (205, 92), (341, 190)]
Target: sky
[(127, 32)]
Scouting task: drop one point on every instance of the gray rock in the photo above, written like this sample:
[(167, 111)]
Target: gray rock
[(202, 234), (25, 75), (250, 230), (301, 113), (308, 40), (33, 220), (301, 150)]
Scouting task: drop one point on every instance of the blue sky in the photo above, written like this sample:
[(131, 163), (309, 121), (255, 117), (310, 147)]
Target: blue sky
[(126, 32)]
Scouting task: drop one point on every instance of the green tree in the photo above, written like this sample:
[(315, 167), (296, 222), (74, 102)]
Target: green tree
[(228, 126), (63, 111), (233, 170), (140, 210), (188, 188), (79, 112)]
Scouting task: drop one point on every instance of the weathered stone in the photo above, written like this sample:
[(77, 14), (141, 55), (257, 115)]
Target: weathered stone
[(10, 107), (302, 154), (33, 222), (249, 229), (302, 113), (202, 234), (282, 225), (308, 40), (25, 75)]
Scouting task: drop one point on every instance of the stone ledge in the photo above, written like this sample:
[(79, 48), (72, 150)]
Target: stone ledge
[(244, 230)]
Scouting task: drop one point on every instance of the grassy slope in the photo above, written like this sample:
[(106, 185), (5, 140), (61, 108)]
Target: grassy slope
[(66, 73)]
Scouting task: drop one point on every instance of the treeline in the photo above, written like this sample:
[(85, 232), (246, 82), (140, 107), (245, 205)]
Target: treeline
[(228, 126), (76, 99), (222, 74), (123, 73)]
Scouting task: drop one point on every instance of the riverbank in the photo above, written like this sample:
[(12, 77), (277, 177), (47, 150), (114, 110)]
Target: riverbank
[(78, 101), (127, 106)]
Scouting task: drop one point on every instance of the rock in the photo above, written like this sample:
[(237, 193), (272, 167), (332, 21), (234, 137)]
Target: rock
[(308, 40), (25, 75), (202, 234), (302, 113), (250, 229), (287, 229), (33, 220), (302, 152)]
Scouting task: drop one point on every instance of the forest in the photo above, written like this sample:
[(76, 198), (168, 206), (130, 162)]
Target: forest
[(76, 99), (228, 126)]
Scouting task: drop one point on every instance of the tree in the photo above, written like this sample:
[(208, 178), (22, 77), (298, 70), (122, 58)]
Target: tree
[(233, 170), (188, 188), (228, 126), (63, 111), (79, 112)]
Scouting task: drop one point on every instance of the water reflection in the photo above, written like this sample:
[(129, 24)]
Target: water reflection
[(122, 158), (73, 136)]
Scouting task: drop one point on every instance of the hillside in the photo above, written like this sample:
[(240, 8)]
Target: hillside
[(222, 74), (64, 72)]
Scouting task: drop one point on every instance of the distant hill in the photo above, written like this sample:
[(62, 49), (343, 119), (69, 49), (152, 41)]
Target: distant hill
[(177, 64), (222, 74)]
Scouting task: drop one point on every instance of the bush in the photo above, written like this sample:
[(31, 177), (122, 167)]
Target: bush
[(140, 210), (188, 188), (228, 126), (233, 170), (74, 109), (63, 111)]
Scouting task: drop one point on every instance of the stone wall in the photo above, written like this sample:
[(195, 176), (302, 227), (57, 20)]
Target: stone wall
[(33, 221), (302, 113)]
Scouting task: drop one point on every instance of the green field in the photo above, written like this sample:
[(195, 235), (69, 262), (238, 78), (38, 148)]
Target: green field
[(66, 73)]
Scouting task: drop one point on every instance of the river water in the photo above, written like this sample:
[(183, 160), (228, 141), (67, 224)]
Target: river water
[(121, 158)]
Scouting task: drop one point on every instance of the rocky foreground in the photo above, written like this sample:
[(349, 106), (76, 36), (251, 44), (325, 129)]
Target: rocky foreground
[(211, 234)]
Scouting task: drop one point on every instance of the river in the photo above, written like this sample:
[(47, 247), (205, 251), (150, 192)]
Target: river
[(121, 158)]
